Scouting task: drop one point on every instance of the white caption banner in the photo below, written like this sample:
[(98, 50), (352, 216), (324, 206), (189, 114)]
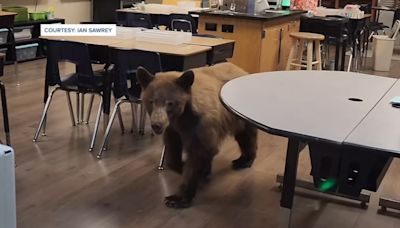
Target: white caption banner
[(78, 30)]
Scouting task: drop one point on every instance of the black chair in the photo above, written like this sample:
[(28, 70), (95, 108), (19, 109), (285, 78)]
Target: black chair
[(126, 88), (182, 22), (136, 20), (82, 81), (371, 28), (7, 22), (4, 103), (335, 30)]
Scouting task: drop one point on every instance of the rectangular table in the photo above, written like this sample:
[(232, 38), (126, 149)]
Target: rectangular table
[(342, 112), (174, 57)]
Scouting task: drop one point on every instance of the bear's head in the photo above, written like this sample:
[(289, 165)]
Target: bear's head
[(165, 97)]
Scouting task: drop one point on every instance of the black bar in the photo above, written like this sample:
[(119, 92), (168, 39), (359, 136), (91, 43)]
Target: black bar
[(289, 180), (5, 111)]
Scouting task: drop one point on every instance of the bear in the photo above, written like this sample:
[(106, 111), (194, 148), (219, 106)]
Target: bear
[(186, 109)]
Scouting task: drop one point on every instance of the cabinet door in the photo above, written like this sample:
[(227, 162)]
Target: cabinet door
[(287, 42), (245, 32), (270, 44)]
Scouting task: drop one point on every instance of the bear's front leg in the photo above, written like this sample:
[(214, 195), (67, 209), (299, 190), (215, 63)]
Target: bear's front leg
[(195, 167), (173, 150)]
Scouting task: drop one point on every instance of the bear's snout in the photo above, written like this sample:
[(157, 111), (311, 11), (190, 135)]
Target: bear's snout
[(157, 128)]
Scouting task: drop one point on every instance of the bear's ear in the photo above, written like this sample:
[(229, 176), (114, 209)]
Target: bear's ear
[(186, 80), (144, 77)]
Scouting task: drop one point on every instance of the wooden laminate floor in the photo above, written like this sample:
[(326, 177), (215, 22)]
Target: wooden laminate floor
[(61, 185)]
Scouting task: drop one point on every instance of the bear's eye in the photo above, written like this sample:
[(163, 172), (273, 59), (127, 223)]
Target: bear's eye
[(170, 103), (151, 101)]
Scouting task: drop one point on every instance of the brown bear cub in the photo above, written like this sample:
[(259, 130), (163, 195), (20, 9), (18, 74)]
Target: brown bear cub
[(186, 108)]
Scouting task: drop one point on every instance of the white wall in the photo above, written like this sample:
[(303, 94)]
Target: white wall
[(74, 11)]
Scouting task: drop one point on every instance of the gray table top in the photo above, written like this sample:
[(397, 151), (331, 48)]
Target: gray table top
[(306, 104), (380, 130)]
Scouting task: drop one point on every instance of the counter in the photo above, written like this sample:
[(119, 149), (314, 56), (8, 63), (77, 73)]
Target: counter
[(262, 41)]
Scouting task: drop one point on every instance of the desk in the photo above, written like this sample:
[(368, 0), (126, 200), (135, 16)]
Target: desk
[(314, 107), (395, 10), (4, 13), (174, 57), (356, 26), (159, 13), (160, 9)]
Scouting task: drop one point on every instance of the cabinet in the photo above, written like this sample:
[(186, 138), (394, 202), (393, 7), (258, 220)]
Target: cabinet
[(35, 30), (103, 11), (260, 45)]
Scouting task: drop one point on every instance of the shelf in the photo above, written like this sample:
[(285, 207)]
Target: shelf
[(5, 44), (26, 60), (27, 23), (33, 40)]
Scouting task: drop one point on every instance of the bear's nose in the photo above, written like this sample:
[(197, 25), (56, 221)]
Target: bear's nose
[(157, 128)]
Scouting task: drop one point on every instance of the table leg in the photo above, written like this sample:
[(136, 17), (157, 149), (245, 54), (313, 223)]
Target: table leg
[(289, 180)]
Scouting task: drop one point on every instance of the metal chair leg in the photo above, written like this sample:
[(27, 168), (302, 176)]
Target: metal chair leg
[(77, 108), (5, 113), (161, 163), (44, 114), (121, 122), (134, 115), (71, 111), (107, 132), (82, 107), (142, 119), (96, 126), (89, 109), (350, 61)]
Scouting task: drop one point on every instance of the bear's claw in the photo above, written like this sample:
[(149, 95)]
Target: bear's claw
[(177, 202), (242, 163)]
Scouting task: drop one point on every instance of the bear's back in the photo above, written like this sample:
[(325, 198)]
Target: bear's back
[(205, 97)]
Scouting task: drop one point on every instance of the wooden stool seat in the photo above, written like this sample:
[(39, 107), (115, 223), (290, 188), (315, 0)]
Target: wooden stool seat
[(307, 36), (305, 39)]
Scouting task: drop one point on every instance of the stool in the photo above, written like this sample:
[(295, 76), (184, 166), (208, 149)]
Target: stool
[(308, 39)]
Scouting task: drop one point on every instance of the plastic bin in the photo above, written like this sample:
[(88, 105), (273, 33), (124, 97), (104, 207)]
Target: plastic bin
[(23, 33), (27, 51), (37, 16), (382, 52), (3, 36), (3, 51)]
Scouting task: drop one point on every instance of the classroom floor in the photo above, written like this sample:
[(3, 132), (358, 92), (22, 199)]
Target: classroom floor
[(60, 184)]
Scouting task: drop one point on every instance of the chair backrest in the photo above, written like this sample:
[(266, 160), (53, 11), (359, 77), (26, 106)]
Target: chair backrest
[(76, 53), (138, 20), (330, 27), (395, 30), (126, 64), (182, 22)]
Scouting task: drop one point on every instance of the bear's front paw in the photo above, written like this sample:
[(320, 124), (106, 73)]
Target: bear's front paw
[(242, 163), (177, 202)]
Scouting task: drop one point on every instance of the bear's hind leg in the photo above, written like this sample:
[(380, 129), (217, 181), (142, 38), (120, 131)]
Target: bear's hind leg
[(247, 140), (195, 168), (173, 150)]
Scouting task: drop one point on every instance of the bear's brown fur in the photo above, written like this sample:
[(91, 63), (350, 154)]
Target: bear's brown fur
[(186, 107)]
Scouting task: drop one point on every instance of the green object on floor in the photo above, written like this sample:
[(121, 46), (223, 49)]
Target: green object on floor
[(22, 12), (327, 185)]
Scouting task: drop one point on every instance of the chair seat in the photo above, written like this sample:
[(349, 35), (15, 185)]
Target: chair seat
[(71, 83), (307, 36)]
